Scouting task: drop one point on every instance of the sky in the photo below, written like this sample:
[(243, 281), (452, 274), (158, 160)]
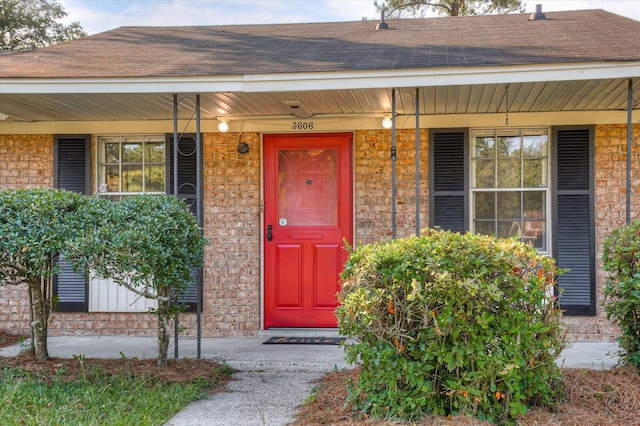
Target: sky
[(97, 16)]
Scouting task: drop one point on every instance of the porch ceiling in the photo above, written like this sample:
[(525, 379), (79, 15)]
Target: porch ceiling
[(556, 96)]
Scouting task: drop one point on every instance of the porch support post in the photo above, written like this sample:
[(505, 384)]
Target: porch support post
[(393, 163), (417, 161), (175, 145), (175, 194), (199, 219), (629, 145)]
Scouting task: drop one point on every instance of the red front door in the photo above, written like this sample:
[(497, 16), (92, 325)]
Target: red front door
[(308, 213)]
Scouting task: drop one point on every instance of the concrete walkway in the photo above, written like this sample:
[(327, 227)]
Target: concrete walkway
[(273, 380)]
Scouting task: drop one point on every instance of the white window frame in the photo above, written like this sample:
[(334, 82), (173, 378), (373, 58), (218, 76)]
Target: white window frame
[(508, 131), (101, 164)]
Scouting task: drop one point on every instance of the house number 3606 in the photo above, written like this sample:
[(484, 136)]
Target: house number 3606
[(302, 125)]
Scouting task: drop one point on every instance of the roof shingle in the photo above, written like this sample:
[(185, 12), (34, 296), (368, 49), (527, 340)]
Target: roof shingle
[(491, 40)]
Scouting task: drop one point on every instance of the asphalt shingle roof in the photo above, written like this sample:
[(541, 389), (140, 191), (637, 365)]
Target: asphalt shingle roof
[(492, 40)]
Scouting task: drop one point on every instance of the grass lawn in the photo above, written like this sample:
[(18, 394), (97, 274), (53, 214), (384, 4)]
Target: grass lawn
[(82, 391)]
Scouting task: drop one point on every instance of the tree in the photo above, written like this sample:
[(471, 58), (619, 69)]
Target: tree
[(399, 8), (148, 244), (35, 225), (27, 24)]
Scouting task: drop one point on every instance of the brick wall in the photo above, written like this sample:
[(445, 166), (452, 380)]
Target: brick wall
[(107, 323), (25, 161), (373, 184), (232, 223), (231, 195)]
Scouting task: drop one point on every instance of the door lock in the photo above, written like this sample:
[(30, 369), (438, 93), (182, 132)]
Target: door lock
[(269, 232)]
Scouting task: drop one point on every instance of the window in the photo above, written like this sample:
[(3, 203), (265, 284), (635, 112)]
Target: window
[(509, 184), (131, 165), (492, 181)]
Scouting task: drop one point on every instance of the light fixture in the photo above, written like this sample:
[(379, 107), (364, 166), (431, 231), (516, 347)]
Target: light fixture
[(223, 126), (387, 123), (243, 148)]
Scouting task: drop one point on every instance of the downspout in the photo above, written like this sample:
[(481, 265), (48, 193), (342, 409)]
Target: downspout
[(199, 219), (417, 162), (175, 194), (629, 146), (394, 157)]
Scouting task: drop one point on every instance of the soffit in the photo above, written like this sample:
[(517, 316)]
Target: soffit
[(558, 96)]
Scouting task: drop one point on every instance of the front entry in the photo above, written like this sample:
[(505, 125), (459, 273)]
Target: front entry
[(308, 213)]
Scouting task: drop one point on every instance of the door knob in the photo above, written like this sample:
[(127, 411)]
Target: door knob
[(269, 232)]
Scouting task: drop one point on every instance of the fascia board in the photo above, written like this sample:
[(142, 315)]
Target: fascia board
[(441, 77), (122, 85), (253, 83)]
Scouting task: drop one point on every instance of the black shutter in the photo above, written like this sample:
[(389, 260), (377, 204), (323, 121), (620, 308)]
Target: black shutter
[(71, 171), (187, 170), (187, 190), (574, 226), (448, 167)]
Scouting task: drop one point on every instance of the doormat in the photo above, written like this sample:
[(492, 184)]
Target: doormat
[(304, 341)]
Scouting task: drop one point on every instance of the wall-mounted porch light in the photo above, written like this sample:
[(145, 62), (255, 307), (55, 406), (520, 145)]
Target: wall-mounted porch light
[(223, 126), (387, 123)]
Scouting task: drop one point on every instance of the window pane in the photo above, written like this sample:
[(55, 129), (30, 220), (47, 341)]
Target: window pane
[(534, 175), (132, 153), (509, 173), (154, 152), (485, 147), (308, 187), (112, 179), (534, 219), (533, 233), (508, 229), (484, 205), (485, 228), (508, 146), (509, 205), (132, 178), (485, 174), (534, 146), (154, 178), (539, 243), (534, 204), (111, 152)]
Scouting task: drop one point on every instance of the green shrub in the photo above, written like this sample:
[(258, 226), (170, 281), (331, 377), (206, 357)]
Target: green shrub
[(450, 324), (150, 245), (35, 224), (621, 258)]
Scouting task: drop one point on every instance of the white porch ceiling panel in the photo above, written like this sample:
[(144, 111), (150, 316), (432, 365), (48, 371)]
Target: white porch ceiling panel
[(556, 96)]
